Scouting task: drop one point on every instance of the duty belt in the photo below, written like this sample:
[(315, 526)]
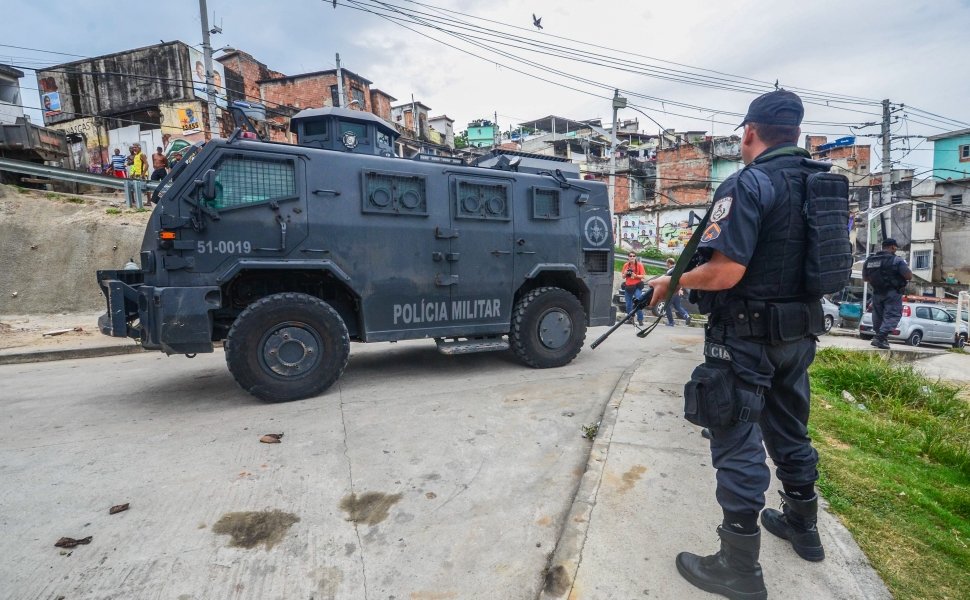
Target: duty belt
[(771, 322)]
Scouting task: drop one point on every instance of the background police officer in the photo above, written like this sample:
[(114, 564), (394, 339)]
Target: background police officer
[(761, 331), (887, 274)]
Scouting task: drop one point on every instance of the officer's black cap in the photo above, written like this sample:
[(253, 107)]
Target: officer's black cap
[(889, 242), (779, 107)]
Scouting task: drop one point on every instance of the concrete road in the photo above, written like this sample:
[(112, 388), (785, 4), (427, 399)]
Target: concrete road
[(418, 476)]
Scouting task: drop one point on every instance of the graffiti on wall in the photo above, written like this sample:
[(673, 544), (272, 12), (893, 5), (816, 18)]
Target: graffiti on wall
[(670, 235)]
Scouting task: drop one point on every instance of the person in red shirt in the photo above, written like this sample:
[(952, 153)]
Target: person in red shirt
[(633, 275)]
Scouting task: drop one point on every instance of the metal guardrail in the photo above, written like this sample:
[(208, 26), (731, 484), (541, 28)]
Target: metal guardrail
[(134, 189)]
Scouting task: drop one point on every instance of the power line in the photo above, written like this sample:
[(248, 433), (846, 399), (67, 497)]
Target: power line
[(766, 84), (400, 22)]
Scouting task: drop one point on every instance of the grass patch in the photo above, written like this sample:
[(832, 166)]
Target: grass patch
[(113, 211), (22, 190), (53, 196), (897, 473)]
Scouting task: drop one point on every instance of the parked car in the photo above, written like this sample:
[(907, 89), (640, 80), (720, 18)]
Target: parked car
[(831, 312), (922, 322), (962, 340)]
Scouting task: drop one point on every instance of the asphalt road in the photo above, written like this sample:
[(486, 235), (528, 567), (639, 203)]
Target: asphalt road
[(417, 476)]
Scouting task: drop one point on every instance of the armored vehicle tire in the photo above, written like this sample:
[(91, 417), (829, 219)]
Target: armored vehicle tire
[(548, 328), (287, 346)]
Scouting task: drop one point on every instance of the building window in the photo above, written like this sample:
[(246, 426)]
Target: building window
[(358, 95), (334, 96), (921, 259), (924, 212), (956, 199), (965, 152)]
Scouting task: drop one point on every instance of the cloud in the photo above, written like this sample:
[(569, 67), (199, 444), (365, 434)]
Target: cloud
[(856, 48)]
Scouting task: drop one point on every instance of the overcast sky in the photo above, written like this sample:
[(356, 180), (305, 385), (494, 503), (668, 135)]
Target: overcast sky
[(912, 53)]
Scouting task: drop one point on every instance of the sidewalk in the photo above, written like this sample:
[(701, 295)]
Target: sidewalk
[(23, 339), (650, 495)]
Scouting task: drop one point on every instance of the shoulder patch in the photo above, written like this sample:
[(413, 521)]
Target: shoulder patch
[(721, 208), (713, 230)]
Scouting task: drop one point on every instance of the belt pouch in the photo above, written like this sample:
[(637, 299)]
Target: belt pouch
[(709, 399)]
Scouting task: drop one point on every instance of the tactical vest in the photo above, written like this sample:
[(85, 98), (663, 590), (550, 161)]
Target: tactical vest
[(882, 269), (775, 272)]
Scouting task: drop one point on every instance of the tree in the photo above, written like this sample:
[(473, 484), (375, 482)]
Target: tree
[(461, 140)]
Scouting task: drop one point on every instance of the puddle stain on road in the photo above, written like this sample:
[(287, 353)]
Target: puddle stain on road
[(250, 529), (631, 477), (369, 508)]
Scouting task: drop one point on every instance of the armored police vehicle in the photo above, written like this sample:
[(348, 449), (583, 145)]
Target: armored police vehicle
[(289, 252)]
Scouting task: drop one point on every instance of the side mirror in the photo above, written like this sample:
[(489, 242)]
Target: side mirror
[(208, 185)]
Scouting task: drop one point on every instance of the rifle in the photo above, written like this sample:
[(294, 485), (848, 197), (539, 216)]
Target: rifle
[(683, 262), (641, 304)]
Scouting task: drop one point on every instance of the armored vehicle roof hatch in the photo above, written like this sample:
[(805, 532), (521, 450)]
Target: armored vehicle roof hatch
[(344, 130)]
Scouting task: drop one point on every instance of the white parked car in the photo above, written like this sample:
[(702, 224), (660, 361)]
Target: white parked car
[(922, 322)]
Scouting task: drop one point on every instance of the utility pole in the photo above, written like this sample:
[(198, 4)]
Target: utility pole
[(207, 57), (618, 103), (887, 163), (340, 84), (497, 135)]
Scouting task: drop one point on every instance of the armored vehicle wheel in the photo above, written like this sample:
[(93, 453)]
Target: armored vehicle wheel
[(287, 346), (548, 328)]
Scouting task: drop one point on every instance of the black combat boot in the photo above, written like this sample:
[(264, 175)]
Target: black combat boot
[(733, 572), (796, 522)]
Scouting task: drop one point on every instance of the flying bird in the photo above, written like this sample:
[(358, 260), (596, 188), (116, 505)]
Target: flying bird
[(537, 21)]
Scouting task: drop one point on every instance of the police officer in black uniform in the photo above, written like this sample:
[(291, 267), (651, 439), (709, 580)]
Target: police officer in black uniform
[(887, 274), (760, 341)]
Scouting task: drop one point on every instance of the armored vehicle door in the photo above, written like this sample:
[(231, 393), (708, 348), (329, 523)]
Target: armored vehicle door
[(546, 223), (384, 225), (257, 210), (481, 254)]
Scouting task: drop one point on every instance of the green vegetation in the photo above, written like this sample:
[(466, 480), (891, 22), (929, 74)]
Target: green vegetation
[(22, 190), (895, 467), (113, 211), (53, 196)]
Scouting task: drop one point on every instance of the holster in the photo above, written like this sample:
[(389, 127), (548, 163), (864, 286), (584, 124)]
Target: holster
[(716, 397)]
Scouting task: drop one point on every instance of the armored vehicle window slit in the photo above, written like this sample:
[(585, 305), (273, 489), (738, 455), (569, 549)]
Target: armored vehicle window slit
[(597, 261), (545, 203), (394, 194), (243, 180), (483, 201)]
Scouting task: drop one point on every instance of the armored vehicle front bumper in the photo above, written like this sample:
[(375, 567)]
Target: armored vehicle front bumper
[(175, 320)]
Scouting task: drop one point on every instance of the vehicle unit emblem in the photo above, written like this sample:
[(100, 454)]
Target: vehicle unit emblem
[(596, 231), (350, 140)]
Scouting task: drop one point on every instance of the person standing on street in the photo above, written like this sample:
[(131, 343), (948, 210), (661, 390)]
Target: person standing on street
[(138, 168), (759, 343), (887, 274), (675, 306), (118, 168), (159, 165), (633, 276)]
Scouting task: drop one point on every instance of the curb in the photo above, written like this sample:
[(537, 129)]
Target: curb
[(67, 354), (565, 559)]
